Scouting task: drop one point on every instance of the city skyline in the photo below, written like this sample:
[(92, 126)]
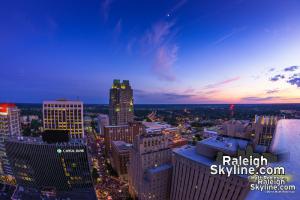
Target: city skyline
[(184, 52)]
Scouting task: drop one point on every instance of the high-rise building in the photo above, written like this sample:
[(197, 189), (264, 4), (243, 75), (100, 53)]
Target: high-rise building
[(64, 115), (265, 127), (150, 168), (120, 156), (120, 103), (9, 126), (192, 178), (62, 167), (125, 133)]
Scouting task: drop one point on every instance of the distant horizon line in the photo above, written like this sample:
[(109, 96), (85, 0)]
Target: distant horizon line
[(170, 103)]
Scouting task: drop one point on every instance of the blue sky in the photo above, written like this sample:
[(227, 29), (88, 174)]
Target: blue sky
[(181, 51)]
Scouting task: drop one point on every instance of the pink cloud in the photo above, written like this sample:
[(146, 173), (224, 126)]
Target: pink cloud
[(165, 57), (224, 82), (158, 32), (158, 42)]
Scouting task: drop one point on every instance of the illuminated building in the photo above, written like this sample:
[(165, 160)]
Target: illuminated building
[(64, 115), (9, 126), (192, 178), (173, 133), (120, 156), (264, 127), (150, 168), (120, 103), (62, 167), (125, 133)]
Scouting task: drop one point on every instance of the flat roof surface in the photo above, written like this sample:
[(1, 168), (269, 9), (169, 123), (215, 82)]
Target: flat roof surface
[(159, 168), (121, 145), (156, 125), (62, 101), (287, 139), (190, 152), (39, 141), (225, 143)]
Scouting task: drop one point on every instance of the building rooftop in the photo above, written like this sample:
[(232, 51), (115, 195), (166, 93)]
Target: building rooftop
[(5, 106), (39, 141), (190, 152), (157, 126), (218, 143), (121, 145), (159, 168), (116, 126), (225, 143), (62, 101)]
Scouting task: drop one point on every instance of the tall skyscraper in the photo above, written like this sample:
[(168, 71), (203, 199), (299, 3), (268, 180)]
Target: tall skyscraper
[(9, 126), (192, 178), (64, 115), (120, 103), (61, 167), (150, 168)]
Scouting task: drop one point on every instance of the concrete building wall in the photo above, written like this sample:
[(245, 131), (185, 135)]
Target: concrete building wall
[(150, 167), (192, 180)]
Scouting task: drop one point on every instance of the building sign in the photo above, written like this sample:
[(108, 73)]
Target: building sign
[(70, 151)]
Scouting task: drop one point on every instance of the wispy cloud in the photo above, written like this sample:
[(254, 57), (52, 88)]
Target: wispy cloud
[(271, 69), (159, 42), (178, 5), (272, 91), (291, 68), (253, 99), (158, 34), (117, 30), (229, 35), (221, 83), (164, 60), (277, 77), (177, 96), (105, 8), (163, 96), (118, 27)]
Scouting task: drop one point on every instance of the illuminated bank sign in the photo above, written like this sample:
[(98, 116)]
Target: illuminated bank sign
[(70, 151)]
